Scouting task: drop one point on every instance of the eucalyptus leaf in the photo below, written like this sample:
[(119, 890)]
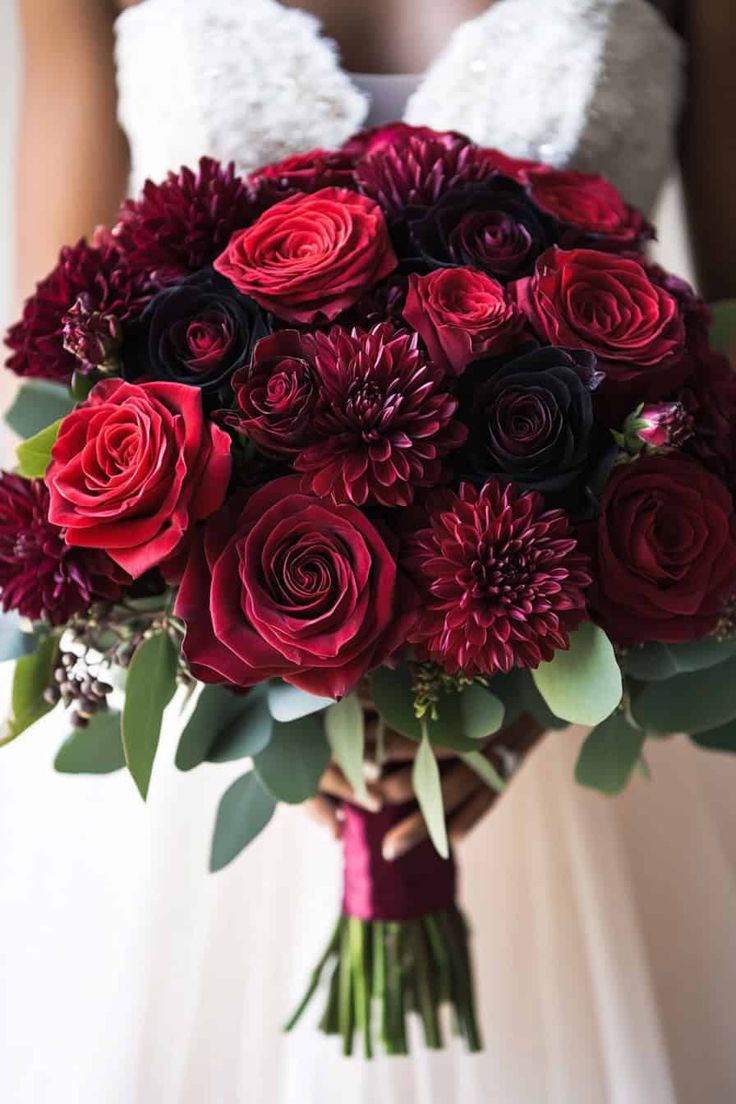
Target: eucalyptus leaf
[(289, 703), (37, 403), (15, 640), (609, 755), (248, 732), (723, 326), (32, 675), (34, 455), (481, 712), (345, 730), (96, 749), (692, 703), (149, 688), (244, 811), (653, 662), (393, 696), (722, 738), (214, 711), (485, 770), (427, 787), (582, 684), (291, 765)]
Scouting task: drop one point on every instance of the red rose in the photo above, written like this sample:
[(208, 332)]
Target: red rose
[(461, 314), (665, 551), (133, 467), (301, 172), (588, 206), (608, 305), (287, 585), (310, 257), (379, 138)]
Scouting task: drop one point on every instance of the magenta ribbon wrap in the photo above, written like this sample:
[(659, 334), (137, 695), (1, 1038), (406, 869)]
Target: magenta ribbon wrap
[(414, 885)]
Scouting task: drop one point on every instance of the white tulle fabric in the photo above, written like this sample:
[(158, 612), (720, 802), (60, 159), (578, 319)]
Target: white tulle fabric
[(604, 936)]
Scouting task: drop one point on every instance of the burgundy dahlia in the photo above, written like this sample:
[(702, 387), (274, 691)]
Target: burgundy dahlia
[(90, 289), (40, 575), (182, 224), (383, 420), (501, 580)]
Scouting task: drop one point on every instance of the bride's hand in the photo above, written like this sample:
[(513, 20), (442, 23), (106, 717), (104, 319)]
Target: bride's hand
[(466, 797)]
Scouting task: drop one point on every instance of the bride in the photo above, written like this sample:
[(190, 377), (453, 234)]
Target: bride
[(604, 936)]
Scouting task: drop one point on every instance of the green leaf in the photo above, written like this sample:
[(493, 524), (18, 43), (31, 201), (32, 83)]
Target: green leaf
[(426, 781), (481, 712), (582, 684), (15, 641), (609, 755), (244, 810), (291, 765), (346, 735), (722, 738), (149, 688), (289, 703), (693, 702), (723, 326), (248, 733), (485, 770), (393, 697), (37, 403), (32, 674), (653, 662), (216, 708), (96, 749), (34, 455)]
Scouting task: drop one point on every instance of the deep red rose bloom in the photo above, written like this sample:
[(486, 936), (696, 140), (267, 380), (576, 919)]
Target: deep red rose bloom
[(501, 580), (608, 305), (133, 467), (276, 394), (379, 138), (461, 314), (709, 397), (105, 286), (589, 207), (301, 172), (286, 585), (181, 224), (664, 551), (383, 420), (40, 576), (516, 167), (311, 256)]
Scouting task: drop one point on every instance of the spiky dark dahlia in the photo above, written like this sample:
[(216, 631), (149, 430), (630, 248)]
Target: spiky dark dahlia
[(501, 578), (183, 223), (417, 170), (40, 575), (383, 419), (84, 273)]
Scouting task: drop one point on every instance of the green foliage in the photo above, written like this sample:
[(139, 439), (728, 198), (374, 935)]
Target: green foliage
[(582, 684), (346, 736), (244, 811), (292, 763), (485, 770), (722, 738), (37, 403), (609, 755), (248, 732), (481, 712), (32, 675), (34, 455), (149, 688), (693, 702), (427, 787), (215, 709), (289, 703), (723, 326), (15, 641), (96, 749), (653, 662)]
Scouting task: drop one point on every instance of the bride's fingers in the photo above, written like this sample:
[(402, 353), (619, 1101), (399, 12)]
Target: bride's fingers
[(334, 783), (468, 815), (322, 809), (457, 786)]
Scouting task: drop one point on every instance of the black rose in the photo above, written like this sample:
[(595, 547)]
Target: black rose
[(531, 421), (492, 225), (197, 332)]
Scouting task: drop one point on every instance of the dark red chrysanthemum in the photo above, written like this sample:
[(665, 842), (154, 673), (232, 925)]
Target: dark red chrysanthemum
[(301, 172), (383, 420), (94, 275), (40, 576), (183, 223), (417, 170), (501, 579)]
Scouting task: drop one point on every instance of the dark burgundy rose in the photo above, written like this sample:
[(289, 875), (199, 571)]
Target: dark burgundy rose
[(517, 168), (532, 422), (41, 576), (310, 257), (608, 304), (301, 172), (276, 394), (383, 137), (198, 332), (462, 314), (492, 225), (286, 585), (709, 397), (664, 551), (589, 208)]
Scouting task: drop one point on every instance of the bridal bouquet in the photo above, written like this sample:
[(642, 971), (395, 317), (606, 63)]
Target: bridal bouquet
[(408, 432)]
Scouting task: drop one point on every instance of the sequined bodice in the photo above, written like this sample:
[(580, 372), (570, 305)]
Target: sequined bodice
[(592, 84)]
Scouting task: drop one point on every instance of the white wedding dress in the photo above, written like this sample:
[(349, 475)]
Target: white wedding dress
[(605, 942)]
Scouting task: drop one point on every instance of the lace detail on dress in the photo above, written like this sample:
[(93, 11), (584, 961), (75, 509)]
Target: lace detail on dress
[(593, 84)]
